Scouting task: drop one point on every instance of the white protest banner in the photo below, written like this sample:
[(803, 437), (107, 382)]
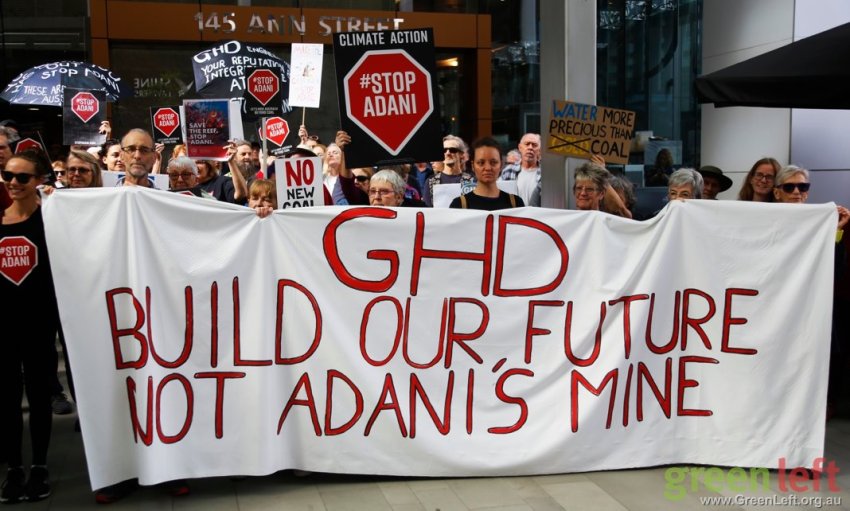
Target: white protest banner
[(434, 342), (299, 182), (305, 88), (445, 194)]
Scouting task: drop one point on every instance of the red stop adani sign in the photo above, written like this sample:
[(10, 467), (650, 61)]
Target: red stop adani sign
[(388, 94), (263, 84), (166, 121), (84, 105), (387, 99)]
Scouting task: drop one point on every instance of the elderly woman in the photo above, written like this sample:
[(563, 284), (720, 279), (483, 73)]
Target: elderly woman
[(590, 183), (82, 170), (684, 184), (386, 188), (792, 187), (758, 185), (487, 165)]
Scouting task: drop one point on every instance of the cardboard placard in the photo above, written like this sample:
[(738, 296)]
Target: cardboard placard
[(207, 124), (388, 100), (305, 88), (82, 113), (299, 182), (580, 131)]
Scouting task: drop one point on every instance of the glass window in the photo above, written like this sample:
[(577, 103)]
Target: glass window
[(648, 54)]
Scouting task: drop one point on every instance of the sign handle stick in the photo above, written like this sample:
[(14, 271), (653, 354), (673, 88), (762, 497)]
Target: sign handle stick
[(303, 114), (263, 121)]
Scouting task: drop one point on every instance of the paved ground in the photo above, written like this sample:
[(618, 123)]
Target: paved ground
[(616, 490)]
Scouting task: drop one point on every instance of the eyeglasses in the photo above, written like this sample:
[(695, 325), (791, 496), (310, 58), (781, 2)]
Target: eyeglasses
[(178, 175), (130, 149), (585, 189), (78, 170), (22, 177), (789, 187), (361, 179), (758, 176), (375, 191), (453, 150)]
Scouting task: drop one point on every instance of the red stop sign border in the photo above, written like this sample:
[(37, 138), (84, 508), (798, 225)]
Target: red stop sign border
[(270, 96), (425, 116), (173, 128), (96, 106)]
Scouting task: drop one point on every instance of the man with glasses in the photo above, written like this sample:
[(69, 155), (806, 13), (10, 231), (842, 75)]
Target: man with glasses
[(454, 151), (526, 172), (139, 155)]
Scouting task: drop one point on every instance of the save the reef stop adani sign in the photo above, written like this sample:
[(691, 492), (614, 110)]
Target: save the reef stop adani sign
[(388, 101)]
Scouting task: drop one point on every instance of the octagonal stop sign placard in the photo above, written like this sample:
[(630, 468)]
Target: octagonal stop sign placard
[(263, 84), (28, 144), (18, 258), (84, 105), (166, 120), (277, 130), (388, 95)]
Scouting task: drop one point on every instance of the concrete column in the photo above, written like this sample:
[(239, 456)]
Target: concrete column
[(567, 71)]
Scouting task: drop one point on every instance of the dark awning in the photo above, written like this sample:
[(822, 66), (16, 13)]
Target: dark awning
[(810, 73)]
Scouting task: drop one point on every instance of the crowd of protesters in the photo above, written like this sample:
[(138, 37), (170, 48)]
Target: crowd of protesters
[(30, 361)]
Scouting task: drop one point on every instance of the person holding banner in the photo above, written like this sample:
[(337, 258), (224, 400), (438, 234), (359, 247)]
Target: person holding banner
[(262, 197), (82, 170), (684, 184), (386, 188), (28, 300), (486, 196), (139, 156), (589, 185), (758, 185), (792, 187)]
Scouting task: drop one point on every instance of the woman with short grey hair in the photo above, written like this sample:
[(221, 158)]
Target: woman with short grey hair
[(589, 186), (386, 188), (684, 184)]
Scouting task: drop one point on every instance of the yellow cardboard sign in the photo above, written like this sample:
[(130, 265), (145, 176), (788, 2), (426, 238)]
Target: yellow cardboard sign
[(580, 131)]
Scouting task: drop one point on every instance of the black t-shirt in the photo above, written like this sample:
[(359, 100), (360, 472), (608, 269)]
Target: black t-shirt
[(26, 283), (473, 201), (221, 188)]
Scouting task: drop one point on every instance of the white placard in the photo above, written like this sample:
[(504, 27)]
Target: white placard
[(305, 86), (299, 182)]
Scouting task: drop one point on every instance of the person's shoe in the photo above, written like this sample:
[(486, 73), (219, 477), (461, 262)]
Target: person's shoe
[(178, 487), (61, 405), (116, 492), (13, 486), (37, 487)]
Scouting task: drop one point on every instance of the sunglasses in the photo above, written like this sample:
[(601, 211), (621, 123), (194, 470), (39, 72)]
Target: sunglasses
[(789, 187), (22, 177), (361, 179), (453, 150)]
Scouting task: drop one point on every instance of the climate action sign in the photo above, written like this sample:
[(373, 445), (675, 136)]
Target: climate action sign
[(356, 339), (388, 102), (580, 131)]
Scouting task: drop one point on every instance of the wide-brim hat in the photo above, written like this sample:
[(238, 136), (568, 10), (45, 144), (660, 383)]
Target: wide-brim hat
[(715, 172)]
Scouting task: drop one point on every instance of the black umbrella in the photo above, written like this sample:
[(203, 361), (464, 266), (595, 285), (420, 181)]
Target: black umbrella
[(220, 70), (809, 73), (44, 84)]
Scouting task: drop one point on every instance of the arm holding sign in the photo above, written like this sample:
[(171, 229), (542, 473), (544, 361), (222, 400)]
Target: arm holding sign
[(158, 148), (353, 194), (611, 199), (240, 186)]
